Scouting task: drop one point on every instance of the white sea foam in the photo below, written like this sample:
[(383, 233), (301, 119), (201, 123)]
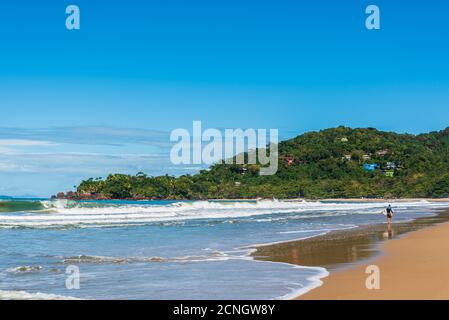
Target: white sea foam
[(23, 295), (63, 213), (86, 259), (25, 269), (297, 289), (315, 282)]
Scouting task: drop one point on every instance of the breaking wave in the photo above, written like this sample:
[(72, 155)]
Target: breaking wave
[(79, 214), (21, 205)]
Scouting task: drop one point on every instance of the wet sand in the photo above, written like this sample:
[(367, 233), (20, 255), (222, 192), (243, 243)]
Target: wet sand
[(413, 265), (369, 200)]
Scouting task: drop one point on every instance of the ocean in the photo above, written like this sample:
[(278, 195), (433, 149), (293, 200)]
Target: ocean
[(168, 249)]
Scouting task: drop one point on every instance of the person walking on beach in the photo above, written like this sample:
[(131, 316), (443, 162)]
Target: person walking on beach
[(389, 213)]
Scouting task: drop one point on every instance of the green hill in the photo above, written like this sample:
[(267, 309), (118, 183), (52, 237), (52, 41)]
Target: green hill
[(325, 164)]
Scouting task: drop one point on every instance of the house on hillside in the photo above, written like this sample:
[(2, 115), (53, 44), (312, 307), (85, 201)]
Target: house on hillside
[(382, 153), (370, 167), (391, 165), (389, 173)]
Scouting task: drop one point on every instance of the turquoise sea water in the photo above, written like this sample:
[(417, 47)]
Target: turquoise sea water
[(166, 249)]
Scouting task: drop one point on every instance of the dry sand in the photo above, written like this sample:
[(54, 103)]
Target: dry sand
[(415, 266)]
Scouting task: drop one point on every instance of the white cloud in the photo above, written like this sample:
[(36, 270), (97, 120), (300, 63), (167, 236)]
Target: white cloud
[(110, 136), (45, 161), (84, 164)]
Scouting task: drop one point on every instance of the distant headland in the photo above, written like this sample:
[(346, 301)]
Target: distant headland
[(333, 163)]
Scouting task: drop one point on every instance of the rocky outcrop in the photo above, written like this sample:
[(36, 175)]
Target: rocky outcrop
[(71, 195)]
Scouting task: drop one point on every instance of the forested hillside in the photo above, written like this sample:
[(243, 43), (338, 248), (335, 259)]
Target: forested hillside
[(332, 163)]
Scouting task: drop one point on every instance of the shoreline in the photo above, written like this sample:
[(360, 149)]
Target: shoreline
[(413, 267), (336, 200), (338, 250), (344, 252)]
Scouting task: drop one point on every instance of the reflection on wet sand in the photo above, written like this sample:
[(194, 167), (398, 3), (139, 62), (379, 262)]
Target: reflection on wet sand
[(342, 248), (389, 234)]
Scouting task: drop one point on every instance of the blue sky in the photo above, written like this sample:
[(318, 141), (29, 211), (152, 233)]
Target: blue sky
[(103, 99)]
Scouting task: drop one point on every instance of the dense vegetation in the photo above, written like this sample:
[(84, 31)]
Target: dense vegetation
[(325, 164)]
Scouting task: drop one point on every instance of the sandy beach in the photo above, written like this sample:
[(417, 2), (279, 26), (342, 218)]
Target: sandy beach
[(412, 259), (412, 267)]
